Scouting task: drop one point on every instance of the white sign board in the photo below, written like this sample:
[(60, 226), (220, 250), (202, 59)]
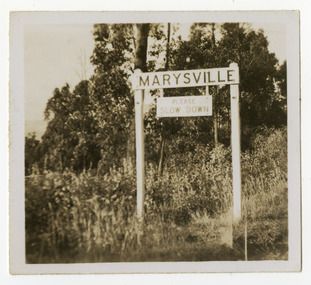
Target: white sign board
[(185, 106), (185, 78)]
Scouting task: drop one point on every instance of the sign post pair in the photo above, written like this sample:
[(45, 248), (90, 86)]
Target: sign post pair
[(187, 106)]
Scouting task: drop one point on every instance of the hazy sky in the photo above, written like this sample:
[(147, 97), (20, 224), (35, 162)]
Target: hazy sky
[(52, 57)]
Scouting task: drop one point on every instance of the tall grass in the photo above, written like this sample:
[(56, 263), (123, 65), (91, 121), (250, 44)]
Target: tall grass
[(92, 218)]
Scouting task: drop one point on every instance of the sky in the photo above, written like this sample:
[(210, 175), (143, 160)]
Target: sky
[(53, 56)]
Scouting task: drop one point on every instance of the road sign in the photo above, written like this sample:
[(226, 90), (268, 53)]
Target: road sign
[(185, 78), (185, 106)]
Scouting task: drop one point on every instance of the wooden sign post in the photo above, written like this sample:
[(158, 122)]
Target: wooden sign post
[(186, 107), (140, 149), (236, 148)]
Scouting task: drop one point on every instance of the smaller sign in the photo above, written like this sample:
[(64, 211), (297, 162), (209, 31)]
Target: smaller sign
[(185, 106)]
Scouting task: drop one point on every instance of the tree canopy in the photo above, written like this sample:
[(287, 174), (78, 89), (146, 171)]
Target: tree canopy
[(94, 122)]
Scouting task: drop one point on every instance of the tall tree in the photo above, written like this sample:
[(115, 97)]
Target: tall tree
[(141, 46), (212, 45), (258, 69), (82, 125), (163, 137), (199, 52), (56, 138), (111, 97), (69, 138), (140, 62)]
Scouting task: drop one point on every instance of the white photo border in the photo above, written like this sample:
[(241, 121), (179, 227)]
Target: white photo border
[(16, 167)]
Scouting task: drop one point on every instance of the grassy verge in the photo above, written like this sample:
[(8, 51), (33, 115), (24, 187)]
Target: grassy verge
[(89, 218)]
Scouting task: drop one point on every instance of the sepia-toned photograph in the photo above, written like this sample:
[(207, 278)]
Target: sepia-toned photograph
[(154, 142)]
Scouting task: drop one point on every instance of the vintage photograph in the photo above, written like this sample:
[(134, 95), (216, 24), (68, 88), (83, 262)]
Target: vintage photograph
[(157, 141)]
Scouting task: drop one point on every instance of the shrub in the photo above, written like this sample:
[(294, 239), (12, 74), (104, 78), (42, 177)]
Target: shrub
[(80, 211), (198, 181)]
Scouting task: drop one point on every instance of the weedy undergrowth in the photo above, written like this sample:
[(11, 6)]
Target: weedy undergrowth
[(91, 217)]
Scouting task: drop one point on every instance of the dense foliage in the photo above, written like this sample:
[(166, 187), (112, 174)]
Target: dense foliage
[(69, 140), (33, 155)]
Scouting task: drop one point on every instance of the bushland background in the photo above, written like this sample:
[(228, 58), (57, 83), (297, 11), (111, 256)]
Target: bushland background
[(80, 181)]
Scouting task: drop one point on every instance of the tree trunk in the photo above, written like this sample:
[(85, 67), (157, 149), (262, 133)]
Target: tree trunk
[(215, 119), (163, 139), (130, 147), (140, 62), (161, 160), (141, 46), (168, 46), (215, 115)]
